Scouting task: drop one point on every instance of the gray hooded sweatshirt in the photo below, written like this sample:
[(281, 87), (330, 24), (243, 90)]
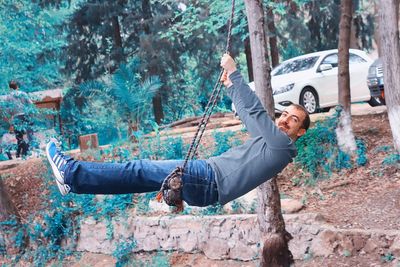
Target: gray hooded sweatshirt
[(265, 154)]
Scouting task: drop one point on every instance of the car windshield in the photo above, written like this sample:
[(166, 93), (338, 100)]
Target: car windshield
[(295, 65)]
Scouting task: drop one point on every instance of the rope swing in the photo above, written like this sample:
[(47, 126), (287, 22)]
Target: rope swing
[(171, 188)]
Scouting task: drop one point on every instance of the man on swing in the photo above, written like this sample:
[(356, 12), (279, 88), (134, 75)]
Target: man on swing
[(218, 179)]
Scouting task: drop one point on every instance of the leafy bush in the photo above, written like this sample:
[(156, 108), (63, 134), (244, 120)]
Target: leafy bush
[(392, 159), (123, 250), (223, 141), (319, 153)]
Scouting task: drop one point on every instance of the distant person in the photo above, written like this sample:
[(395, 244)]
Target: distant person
[(20, 122), (218, 179)]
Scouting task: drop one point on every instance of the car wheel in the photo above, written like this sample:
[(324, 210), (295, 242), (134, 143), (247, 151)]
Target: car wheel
[(309, 100), (375, 101)]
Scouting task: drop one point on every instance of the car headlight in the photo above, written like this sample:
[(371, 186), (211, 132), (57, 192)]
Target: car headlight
[(283, 89)]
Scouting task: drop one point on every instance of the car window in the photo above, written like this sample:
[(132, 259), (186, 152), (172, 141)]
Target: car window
[(295, 65), (354, 59), (331, 59)]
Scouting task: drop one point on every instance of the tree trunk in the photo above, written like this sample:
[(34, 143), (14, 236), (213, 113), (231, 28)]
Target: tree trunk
[(9, 222), (157, 108), (272, 226), (377, 30), (261, 67), (249, 61), (344, 131), (313, 24), (118, 54), (388, 20), (353, 34), (157, 103), (273, 42)]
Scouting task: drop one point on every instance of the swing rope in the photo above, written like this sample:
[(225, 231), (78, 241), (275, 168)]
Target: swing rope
[(171, 189)]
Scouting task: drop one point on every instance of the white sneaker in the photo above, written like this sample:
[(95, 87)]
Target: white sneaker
[(58, 163)]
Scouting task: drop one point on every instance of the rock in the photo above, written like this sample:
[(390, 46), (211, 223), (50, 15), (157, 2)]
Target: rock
[(189, 243), (370, 246), (359, 242), (242, 252), (346, 246), (216, 249), (245, 203), (299, 246), (324, 244), (395, 247), (291, 205), (150, 243), (93, 238), (154, 205)]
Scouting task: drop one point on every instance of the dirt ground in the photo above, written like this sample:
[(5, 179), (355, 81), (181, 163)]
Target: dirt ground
[(366, 197)]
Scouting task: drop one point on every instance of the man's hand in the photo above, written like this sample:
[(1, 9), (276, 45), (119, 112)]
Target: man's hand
[(228, 64), (225, 79)]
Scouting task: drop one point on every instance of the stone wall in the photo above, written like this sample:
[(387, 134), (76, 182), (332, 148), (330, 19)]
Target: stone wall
[(232, 236)]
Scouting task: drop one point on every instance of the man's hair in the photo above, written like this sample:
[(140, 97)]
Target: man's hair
[(306, 121), (13, 85)]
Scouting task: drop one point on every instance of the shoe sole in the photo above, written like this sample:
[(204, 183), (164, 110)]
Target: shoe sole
[(63, 188), (56, 172)]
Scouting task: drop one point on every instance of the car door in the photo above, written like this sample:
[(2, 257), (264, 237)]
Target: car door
[(327, 82), (358, 68)]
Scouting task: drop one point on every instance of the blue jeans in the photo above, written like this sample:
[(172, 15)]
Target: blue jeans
[(139, 176)]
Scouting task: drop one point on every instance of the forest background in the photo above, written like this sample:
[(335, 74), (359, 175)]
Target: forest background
[(126, 67)]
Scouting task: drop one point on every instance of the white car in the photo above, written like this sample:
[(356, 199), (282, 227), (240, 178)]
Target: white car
[(311, 80)]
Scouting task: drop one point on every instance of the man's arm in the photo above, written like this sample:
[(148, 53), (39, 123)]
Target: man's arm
[(250, 109)]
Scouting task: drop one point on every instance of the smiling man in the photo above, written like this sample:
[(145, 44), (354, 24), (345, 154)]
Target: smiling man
[(218, 179), (294, 121)]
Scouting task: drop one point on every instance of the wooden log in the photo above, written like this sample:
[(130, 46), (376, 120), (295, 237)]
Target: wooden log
[(89, 141)]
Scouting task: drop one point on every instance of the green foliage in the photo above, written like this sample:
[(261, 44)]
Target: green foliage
[(133, 96), (143, 202), (308, 256), (310, 26), (295, 181), (253, 207), (392, 159), (205, 19), (31, 43), (60, 219), (237, 207), (382, 149), (290, 50), (223, 142), (160, 259), (361, 153), (346, 253), (110, 109), (318, 151), (216, 209), (123, 250), (36, 120), (388, 257), (157, 148), (174, 148)]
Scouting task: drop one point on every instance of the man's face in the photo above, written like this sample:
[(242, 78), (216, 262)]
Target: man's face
[(291, 122)]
